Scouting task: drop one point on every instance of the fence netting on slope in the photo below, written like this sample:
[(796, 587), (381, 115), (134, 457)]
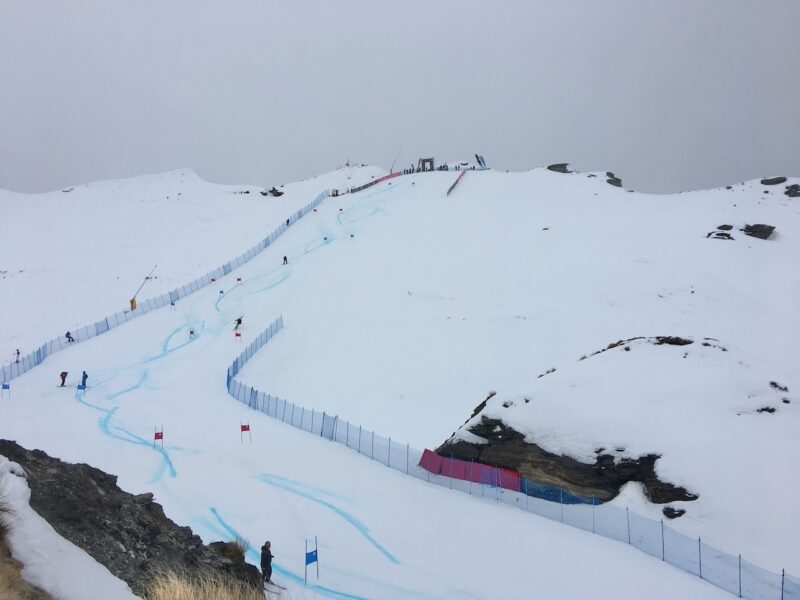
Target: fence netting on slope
[(727, 571), (28, 361)]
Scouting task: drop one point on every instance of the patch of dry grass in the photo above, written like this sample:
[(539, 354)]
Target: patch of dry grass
[(200, 586), (235, 550)]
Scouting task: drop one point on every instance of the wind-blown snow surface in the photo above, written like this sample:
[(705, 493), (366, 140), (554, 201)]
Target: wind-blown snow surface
[(49, 561), (412, 309)]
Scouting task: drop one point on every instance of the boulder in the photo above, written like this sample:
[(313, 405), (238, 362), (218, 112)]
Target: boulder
[(760, 231), (559, 168)]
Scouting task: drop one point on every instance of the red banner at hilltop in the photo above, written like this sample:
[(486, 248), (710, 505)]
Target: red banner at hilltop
[(374, 182)]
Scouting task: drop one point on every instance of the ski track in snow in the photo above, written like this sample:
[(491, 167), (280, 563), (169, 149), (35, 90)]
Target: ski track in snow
[(256, 557), (314, 496), (105, 425), (165, 349)]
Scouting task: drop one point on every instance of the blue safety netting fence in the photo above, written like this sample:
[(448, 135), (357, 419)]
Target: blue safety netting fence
[(727, 571), (28, 361)]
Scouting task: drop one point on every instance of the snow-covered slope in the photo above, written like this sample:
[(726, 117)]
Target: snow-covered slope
[(438, 300), (403, 308), (72, 255)]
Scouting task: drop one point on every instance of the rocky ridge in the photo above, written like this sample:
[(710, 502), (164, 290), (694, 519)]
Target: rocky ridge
[(128, 534)]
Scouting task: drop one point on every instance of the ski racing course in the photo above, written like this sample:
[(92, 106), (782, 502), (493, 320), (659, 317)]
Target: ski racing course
[(382, 535)]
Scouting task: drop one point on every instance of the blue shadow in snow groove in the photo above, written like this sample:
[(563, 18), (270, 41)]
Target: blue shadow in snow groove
[(255, 556), (106, 426), (314, 496), (165, 347)]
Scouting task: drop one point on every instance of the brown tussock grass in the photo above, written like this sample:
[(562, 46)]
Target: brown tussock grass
[(200, 586)]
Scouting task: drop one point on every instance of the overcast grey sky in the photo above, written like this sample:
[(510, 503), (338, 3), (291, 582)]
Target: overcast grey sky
[(669, 94)]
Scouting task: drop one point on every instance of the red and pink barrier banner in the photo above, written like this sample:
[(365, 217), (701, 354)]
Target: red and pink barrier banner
[(375, 182), (470, 471)]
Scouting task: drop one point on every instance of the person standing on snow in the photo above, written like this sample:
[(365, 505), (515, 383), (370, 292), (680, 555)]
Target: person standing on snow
[(63, 376), (285, 260), (237, 323), (69, 337), (84, 377), (266, 563)]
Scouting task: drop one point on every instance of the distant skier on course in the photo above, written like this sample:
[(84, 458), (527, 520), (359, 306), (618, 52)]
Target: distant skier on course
[(237, 323)]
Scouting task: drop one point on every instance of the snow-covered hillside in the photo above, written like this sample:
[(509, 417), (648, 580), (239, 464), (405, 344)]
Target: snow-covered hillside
[(403, 308), (438, 300), (72, 255)]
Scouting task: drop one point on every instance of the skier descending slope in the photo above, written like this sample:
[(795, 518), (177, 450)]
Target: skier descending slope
[(237, 323)]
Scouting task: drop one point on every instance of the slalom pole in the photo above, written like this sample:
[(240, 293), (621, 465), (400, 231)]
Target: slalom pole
[(305, 567), (316, 553)]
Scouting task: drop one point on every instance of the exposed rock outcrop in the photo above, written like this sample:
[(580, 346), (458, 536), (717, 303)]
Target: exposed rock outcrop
[(760, 231), (129, 534), (773, 180), (506, 447), (559, 168)]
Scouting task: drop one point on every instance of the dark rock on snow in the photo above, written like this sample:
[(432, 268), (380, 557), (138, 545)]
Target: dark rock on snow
[(559, 168), (758, 231), (719, 235), (614, 181), (793, 191), (773, 180), (673, 513), (672, 340), (603, 479), (129, 534), (724, 227)]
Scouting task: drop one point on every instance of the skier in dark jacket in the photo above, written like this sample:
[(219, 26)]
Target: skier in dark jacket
[(266, 563), (237, 323), (63, 376), (69, 337), (84, 377)]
